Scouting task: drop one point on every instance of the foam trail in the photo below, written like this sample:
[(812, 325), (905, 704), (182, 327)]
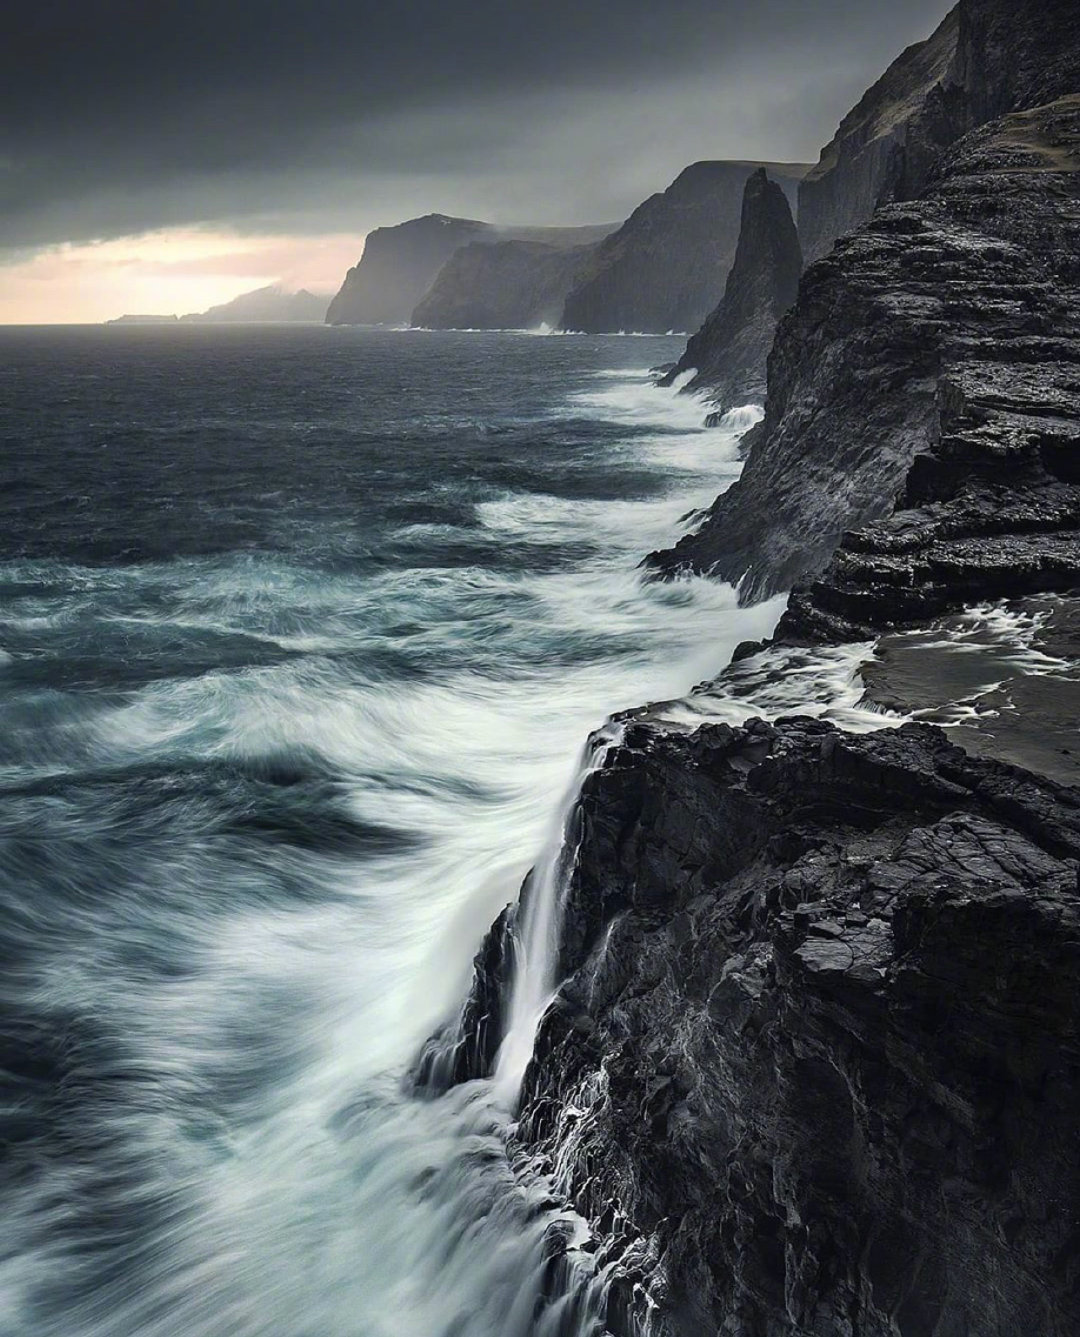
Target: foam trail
[(267, 782), (536, 946)]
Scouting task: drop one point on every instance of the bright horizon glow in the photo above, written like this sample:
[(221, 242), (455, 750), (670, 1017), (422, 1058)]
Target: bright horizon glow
[(166, 272)]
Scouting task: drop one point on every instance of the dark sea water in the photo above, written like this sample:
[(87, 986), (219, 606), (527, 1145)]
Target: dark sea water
[(302, 632)]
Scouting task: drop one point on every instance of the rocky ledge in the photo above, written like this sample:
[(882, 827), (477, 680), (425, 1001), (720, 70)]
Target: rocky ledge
[(815, 1065), (923, 418)]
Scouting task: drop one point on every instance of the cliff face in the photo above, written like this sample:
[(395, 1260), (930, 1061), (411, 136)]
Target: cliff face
[(731, 349), (666, 267), (814, 1064), (924, 393), (816, 1060), (988, 58), (398, 266), (990, 506), (508, 285), (858, 166)]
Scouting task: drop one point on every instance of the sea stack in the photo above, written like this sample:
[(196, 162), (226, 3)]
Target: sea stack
[(666, 267), (730, 351)]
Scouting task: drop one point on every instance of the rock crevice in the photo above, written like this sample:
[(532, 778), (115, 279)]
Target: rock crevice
[(819, 1035)]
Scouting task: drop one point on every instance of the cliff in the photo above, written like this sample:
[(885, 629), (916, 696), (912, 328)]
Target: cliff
[(987, 59), (505, 285), (859, 165), (271, 304), (666, 267), (398, 266), (924, 398), (730, 351), (814, 1065)]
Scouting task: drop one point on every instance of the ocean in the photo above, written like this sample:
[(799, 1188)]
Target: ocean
[(302, 633)]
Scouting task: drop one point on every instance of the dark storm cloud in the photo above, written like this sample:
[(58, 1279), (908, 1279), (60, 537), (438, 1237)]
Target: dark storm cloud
[(126, 114)]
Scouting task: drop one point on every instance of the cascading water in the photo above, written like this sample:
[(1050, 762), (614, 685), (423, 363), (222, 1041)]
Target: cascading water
[(536, 943), (289, 696)]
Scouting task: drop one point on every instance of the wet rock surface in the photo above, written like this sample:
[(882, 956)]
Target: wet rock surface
[(920, 442), (1011, 693), (816, 1062), (730, 351)]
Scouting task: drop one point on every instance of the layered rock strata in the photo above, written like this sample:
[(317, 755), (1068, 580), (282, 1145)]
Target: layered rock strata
[(988, 58), (923, 415), (817, 1052), (730, 352), (861, 164), (666, 267)]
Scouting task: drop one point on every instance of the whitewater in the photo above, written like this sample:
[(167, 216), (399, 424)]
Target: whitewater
[(308, 638), (277, 747)]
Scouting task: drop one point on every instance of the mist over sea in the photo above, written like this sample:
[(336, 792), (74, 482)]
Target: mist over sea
[(302, 632)]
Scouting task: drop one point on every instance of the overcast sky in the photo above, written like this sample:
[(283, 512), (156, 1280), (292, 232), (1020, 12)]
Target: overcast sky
[(245, 142)]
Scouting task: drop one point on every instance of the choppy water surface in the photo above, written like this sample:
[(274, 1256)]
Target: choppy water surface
[(301, 634)]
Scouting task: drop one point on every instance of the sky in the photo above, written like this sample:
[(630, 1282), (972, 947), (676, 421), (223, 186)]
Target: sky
[(162, 156)]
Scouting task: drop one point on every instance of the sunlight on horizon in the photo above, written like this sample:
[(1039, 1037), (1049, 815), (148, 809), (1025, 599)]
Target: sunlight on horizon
[(166, 272)]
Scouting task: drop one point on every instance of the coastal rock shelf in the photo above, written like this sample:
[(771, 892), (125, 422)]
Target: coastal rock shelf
[(924, 402), (817, 1054)]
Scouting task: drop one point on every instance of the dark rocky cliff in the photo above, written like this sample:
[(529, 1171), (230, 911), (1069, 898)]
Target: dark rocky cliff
[(505, 286), (858, 166), (988, 58), (730, 351), (398, 266), (924, 399), (814, 1065), (666, 267), (817, 1056)]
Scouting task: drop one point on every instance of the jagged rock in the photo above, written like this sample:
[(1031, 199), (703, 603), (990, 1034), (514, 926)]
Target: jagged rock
[(731, 349), (817, 1055), (666, 267), (987, 58), (505, 286), (924, 402)]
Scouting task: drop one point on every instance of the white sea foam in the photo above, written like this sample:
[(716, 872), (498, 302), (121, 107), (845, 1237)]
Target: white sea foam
[(275, 1178)]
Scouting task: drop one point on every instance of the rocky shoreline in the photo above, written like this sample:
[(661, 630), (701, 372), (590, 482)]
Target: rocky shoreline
[(814, 1064)]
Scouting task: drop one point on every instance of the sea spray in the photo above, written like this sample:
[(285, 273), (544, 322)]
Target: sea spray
[(536, 941), (283, 727)]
